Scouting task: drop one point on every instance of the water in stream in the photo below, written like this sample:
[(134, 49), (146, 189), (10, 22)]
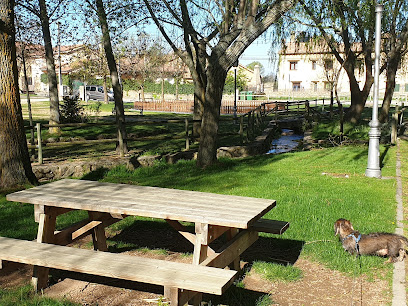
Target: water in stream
[(286, 143)]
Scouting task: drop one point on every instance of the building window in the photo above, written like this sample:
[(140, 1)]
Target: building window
[(295, 86), (397, 87), (293, 65), (328, 64), (314, 65), (406, 87), (328, 86), (314, 86)]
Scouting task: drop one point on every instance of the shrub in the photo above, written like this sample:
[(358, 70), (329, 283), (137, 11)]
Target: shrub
[(71, 110)]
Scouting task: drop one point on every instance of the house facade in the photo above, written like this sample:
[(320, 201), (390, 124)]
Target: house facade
[(36, 65), (310, 67)]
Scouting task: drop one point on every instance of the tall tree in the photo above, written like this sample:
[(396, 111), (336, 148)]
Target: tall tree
[(396, 46), (346, 26), (215, 34), (15, 166), (144, 59), (40, 10), (117, 89), (348, 29)]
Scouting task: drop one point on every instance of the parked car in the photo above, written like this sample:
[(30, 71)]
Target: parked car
[(95, 92)]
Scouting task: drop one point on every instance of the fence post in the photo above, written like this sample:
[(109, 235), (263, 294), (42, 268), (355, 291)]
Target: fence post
[(276, 110), (241, 128), (307, 111), (187, 138), (39, 145)]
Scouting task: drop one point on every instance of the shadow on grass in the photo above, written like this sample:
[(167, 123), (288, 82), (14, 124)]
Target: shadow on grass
[(184, 173), (159, 235), (383, 155), (155, 235)]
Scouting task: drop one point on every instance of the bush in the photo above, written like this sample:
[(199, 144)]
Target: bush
[(71, 110)]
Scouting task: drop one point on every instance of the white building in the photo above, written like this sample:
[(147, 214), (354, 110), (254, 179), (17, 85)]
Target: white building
[(311, 68)]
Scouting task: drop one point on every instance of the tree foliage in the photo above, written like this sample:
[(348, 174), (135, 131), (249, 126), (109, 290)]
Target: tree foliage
[(253, 64), (213, 34), (347, 27)]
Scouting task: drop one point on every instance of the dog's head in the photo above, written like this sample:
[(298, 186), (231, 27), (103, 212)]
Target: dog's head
[(343, 227)]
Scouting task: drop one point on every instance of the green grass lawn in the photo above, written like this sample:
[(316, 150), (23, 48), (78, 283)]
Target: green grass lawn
[(309, 200), (310, 187)]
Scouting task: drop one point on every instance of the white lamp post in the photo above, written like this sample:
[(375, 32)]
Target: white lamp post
[(373, 164)]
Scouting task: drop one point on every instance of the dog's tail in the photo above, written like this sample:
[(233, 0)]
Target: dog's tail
[(404, 241)]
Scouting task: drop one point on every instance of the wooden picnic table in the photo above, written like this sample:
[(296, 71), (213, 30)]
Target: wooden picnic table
[(106, 203)]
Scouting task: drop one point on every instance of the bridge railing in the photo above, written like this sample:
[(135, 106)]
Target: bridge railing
[(255, 120)]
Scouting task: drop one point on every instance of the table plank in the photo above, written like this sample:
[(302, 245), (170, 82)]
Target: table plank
[(155, 202)]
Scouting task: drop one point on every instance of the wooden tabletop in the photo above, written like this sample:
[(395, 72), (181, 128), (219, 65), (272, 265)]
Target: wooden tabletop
[(163, 203)]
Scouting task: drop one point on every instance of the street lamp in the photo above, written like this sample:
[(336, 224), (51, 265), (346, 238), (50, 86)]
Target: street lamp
[(373, 164), (59, 53)]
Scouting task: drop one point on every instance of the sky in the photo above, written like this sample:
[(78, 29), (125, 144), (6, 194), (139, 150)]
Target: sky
[(259, 51)]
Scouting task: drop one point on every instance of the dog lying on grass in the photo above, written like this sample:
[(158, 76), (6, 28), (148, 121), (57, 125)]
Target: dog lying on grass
[(380, 244)]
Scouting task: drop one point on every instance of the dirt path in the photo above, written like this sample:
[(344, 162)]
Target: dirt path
[(319, 286)]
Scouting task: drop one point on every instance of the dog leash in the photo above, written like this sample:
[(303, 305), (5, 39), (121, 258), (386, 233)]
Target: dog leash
[(357, 240)]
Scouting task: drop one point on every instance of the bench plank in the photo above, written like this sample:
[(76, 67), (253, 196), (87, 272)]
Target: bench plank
[(121, 266), (270, 226)]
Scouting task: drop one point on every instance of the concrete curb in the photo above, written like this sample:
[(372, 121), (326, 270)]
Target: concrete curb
[(398, 282)]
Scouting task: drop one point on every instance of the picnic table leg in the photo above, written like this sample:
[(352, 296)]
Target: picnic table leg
[(200, 252), (175, 295), (235, 265), (98, 233), (46, 228)]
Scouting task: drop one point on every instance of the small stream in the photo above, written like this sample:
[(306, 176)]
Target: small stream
[(286, 143)]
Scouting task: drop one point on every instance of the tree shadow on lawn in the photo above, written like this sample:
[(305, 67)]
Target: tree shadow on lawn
[(158, 235), (364, 153), (175, 175)]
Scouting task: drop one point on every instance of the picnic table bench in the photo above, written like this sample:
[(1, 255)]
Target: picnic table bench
[(239, 218)]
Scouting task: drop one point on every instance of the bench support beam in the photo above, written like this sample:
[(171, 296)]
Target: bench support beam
[(46, 228)]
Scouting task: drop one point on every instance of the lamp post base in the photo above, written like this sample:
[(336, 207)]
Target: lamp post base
[(373, 173), (373, 164)]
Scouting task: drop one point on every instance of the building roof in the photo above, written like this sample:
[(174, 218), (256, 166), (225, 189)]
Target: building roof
[(314, 46)]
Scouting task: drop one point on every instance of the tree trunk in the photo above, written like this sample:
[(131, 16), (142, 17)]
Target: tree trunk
[(199, 98), (105, 91), (30, 115), (207, 151), (177, 89), (142, 92), (389, 87), (162, 90), (358, 96), (52, 76), (15, 166), (117, 89)]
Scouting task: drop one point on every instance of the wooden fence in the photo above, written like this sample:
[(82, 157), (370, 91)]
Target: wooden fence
[(251, 121)]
